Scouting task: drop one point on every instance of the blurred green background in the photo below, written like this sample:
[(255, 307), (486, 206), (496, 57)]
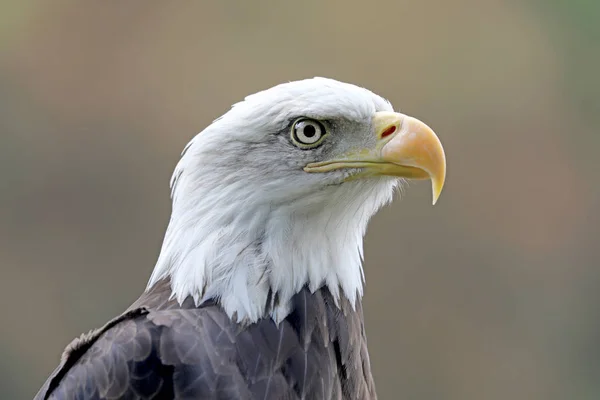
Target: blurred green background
[(491, 294)]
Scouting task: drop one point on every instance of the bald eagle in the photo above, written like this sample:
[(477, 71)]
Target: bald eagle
[(257, 290)]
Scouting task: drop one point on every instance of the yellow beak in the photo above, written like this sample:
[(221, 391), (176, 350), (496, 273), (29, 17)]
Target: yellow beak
[(406, 148)]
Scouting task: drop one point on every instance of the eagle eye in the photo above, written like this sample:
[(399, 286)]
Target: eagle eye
[(307, 133)]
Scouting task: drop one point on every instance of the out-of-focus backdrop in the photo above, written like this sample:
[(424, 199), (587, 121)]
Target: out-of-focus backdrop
[(492, 294)]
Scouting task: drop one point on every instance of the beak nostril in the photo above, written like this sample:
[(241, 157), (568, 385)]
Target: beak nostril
[(391, 129)]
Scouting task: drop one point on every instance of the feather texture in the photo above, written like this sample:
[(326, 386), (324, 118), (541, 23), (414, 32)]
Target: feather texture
[(160, 349)]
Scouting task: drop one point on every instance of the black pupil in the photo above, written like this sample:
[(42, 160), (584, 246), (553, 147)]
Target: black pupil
[(309, 131)]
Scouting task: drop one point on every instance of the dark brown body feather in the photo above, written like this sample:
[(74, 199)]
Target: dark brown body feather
[(160, 350)]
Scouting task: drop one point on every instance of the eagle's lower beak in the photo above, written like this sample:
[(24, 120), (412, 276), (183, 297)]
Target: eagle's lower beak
[(406, 148)]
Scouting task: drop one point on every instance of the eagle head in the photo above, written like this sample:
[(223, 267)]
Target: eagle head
[(276, 195)]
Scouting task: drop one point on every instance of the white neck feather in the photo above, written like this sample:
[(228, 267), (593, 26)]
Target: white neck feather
[(238, 248)]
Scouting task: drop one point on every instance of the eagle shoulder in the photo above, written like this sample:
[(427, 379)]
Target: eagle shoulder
[(151, 354), (176, 352)]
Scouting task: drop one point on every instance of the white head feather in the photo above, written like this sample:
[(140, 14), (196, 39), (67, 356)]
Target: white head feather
[(247, 220)]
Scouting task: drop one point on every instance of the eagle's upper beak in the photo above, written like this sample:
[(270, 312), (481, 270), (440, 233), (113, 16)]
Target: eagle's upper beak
[(406, 147)]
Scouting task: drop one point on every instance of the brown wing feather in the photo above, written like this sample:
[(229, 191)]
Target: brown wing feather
[(169, 351)]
